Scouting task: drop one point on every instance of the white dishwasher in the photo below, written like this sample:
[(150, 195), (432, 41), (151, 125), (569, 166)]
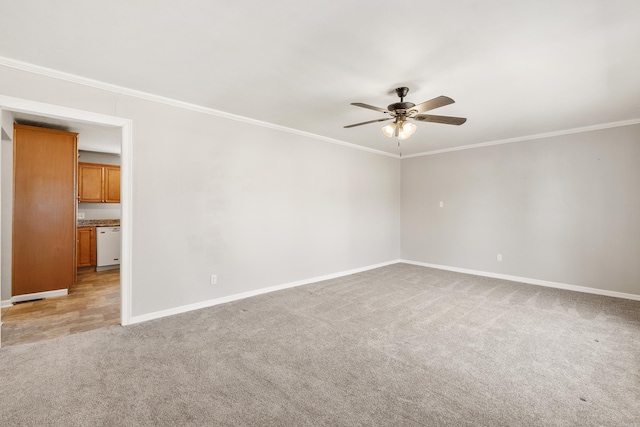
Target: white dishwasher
[(107, 248)]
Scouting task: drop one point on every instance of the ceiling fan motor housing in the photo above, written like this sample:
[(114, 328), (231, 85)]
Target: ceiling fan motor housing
[(400, 106)]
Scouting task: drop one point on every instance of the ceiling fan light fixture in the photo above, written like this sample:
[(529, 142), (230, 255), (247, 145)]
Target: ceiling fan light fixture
[(389, 130), (409, 128), (401, 130), (402, 135)]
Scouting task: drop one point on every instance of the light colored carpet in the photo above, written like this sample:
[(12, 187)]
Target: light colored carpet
[(399, 345)]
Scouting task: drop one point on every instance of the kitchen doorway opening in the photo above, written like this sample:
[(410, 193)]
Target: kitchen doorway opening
[(123, 127)]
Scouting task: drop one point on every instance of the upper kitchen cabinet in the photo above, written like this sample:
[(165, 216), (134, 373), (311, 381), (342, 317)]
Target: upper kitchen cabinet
[(112, 184), (98, 183)]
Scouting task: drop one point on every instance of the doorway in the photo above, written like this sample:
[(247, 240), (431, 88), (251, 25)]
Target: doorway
[(92, 302), (96, 121)]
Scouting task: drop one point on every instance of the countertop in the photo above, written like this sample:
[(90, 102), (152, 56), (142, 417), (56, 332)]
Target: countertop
[(98, 222)]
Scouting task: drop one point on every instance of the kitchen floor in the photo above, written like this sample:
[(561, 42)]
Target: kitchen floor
[(92, 303)]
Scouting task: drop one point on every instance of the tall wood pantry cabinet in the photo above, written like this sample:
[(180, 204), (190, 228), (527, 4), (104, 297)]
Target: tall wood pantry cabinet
[(44, 210)]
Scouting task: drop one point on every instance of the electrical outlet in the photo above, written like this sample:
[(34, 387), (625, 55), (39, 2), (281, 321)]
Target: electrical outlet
[(80, 215), (499, 257), (214, 279), (442, 204)]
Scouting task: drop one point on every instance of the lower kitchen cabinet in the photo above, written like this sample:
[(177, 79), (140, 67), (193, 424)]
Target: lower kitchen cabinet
[(86, 247)]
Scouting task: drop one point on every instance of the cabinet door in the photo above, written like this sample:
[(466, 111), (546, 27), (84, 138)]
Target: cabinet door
[(112, 184), (86, 247), (90, 183)]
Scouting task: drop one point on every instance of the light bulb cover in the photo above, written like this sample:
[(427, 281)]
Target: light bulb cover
[(389, 129), (403, 135), (409, 128), (405, 130)]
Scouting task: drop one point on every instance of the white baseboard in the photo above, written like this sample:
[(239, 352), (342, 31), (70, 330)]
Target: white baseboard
[(5, 303), (235, 297), (39, 295), (529, 280)]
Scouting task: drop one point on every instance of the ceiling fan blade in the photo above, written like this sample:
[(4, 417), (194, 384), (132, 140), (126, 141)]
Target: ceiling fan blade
[(370, 121), (447, 120), (438, 102), (371, 107)]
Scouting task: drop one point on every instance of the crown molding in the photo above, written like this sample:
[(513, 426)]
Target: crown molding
[(73, 78), (529, 137)]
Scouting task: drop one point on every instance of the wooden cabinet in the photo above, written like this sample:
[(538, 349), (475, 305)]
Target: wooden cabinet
[(86, 247), (98, 183), (90, 183), (112, 184), (44, 210)]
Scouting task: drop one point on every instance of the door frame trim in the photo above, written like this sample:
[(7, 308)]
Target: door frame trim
[(126, 173)]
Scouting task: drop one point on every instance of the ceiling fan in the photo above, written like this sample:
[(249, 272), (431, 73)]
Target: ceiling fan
[(401, 128)]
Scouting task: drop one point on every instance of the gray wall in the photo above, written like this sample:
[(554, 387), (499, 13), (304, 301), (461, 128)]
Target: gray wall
[(563, 209), (258, 207)]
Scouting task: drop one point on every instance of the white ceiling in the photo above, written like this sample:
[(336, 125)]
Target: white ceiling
[(514, 68)]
